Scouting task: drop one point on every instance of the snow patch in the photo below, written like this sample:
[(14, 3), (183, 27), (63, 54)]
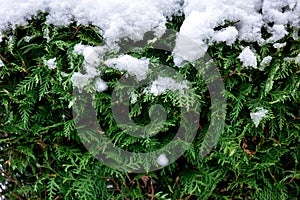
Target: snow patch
[(51, 63), (100, 85), (162, 160), (163, 84), (278, 32), (258, 115), (134, 66), (248, 58), (133, 97), (1, 63), (297, 59), (80, 80), (114, 17), (279, 45), (265, 62), (228, 35)]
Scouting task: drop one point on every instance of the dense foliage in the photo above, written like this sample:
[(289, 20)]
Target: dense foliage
[(42, 156)]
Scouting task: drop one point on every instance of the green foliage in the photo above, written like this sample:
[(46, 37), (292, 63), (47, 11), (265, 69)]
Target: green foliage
[(43, 158)]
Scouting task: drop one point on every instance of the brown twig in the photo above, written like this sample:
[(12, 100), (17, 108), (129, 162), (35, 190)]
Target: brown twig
[(117, 187), (10, 178), (4, 60), (290, 181), (230, 74), (16, 196), (188, 197), (56, 198), (152, 189), (75, 33)]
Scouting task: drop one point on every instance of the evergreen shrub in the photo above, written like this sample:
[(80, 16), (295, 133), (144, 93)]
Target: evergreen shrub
[(42, 156)]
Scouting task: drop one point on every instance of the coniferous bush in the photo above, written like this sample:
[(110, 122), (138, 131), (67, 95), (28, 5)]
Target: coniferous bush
[(42, 156)]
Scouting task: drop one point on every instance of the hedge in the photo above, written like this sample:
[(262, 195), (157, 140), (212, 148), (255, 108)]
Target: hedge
[(43, 157)]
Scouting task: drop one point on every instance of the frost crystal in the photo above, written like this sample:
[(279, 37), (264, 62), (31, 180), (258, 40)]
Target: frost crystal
[(258, 115), (162, 84), (134, 66), (248, 58)]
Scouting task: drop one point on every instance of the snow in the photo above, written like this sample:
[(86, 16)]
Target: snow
[(278, 32), (116, 18), (296, 34), (247, 17), (134, 66), (288, 59), (241, 20), (133, 97), (297, 59), (228, 35), (80, 80), (265, 62), (51, 63), (46, 34), (100, 85), (258, 115), (28, 38), (187, 50), (3, 185), (279, 45), (163, 84), (132, 19), (109, 186), (281, 11), (248, 58), (1, 63), (162, 160), (92, 57)]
